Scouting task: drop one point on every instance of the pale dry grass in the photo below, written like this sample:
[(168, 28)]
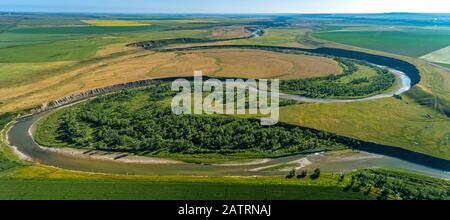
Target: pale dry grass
[(230, 32), (112, 48), (264, 64), (438, 56), (142, 64)]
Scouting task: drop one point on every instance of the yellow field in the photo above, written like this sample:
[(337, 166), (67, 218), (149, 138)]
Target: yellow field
[(179, 21), (113, 23)]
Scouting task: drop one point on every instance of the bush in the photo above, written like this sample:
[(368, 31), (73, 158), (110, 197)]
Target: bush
[(315, 174), (291, 173), (303, 174)]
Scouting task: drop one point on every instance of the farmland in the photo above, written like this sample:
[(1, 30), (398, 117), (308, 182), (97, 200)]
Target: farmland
[(414, 42), (114, 23)]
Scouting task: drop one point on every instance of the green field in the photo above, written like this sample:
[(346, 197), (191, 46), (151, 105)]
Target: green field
[(72, 50), (99, 190), (408, 42), (38, 182), (401, 123), (84, 30)]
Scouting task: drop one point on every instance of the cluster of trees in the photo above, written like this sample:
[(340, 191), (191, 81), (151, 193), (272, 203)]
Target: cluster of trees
[(303, 173), (109, 123), (329, 86), (399, 186)]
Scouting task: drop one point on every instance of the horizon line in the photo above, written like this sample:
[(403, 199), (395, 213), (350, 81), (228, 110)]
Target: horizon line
[(219, 13)]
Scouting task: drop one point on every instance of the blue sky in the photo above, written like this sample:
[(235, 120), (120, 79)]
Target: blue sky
[(228, 6)]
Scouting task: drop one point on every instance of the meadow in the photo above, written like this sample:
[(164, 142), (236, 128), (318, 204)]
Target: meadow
[(402, 123), (171, 190)]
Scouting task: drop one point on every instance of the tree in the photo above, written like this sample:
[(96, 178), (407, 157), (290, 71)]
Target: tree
[(291, 173), (302, 174), (315, 174)]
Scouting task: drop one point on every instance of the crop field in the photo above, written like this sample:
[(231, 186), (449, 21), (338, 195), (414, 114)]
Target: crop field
[(19, 73), (82, 190), (40, 182), (80, 30), (414, 43)]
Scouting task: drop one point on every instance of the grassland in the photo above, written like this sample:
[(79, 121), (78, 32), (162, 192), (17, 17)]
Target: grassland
[(230, 32), (267, 65), (20, 73), (7, 159), (136, 65), (394, 122), (409, 42), (276, 37), (82, 190), (40, 182), (439, 56)]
